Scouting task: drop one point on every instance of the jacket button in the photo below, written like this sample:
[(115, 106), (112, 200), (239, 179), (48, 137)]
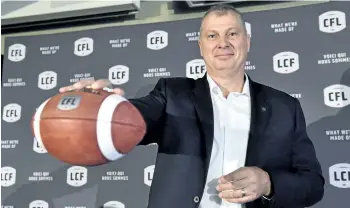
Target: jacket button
[(196, 199)]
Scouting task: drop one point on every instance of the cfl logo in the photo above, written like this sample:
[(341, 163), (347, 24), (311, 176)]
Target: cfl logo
[(11, 113), (8, 176), (76, 176), (148, 175), (83, 46), (38, 148), (47, 80), (69, 102), (157, 40), (332, 21), (113, 204), (118, 74), (286, 62), (337, 96), (339, 175), (195, 69), (16, 52), (38, 204)]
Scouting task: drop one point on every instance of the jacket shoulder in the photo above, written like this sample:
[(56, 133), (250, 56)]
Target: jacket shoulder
[(178, 84), (274, 94)]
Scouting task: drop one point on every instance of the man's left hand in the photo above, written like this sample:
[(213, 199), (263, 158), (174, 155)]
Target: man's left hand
[(244, 185)]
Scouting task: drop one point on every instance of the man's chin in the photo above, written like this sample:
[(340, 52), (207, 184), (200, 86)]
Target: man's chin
[(223, 69), (225, 66)]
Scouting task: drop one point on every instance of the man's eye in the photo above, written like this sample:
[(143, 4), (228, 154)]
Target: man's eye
[(211, 36)]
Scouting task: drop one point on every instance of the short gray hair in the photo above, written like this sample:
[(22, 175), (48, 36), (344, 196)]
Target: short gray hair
[(224, 9)]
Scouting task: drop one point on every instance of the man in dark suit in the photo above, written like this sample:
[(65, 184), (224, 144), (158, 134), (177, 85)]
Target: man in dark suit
[(224, 140)]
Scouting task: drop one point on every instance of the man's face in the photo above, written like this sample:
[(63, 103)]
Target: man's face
[(223, 43)]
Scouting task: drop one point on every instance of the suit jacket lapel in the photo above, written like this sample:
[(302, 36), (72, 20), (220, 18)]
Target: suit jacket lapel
[(204, 109), (260, 114)]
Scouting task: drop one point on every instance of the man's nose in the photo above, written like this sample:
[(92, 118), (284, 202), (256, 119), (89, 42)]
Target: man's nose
[(223, 43)]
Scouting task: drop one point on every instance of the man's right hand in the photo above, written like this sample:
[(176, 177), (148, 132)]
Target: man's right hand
[(99, 84)]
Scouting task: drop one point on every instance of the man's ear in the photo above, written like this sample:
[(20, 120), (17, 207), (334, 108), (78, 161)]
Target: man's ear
[(200, 47), (248, 42)]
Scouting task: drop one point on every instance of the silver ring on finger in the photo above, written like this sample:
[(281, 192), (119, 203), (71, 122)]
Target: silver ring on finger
[(243, 193), (71, 89)]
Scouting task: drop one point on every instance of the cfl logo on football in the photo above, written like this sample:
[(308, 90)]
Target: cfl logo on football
[(76, 176), (337, 96), (47, 80), (83, 46), (286, 62), (16, 52), (148, 175), (113, 204), (118, 74), (8, 176), (69, 102), (195, 69), (339, 175), (38, 148), (38, 204), (157, 40), (332, 22), (12, 113)]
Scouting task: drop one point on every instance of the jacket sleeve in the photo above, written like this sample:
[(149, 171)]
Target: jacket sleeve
[(303, 184), (152, 108)]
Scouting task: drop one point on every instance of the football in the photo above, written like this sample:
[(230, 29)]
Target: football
[(88, 127)]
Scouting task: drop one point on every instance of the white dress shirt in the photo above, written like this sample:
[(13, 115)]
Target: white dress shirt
[(231, 130)]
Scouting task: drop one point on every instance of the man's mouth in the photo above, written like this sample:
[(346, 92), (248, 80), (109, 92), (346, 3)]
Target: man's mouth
[(224, 55)]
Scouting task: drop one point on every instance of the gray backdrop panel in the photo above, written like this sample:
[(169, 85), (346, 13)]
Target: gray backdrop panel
[(323, 59)]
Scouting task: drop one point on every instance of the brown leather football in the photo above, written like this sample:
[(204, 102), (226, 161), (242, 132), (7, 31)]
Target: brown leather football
[(88, 127)]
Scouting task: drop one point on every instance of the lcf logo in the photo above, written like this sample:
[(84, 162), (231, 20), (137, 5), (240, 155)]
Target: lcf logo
[(76, 176), (47, 80), (118, 74), (157, 40), (337, 96), (286, 62), (148, 175), (339, 175), (16, 52), (11, 112), (83, 46), (195, 69), (332, 21), (38, 204), (8, 176)]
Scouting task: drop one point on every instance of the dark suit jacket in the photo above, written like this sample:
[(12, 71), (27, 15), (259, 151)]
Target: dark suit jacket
[(179, 117)]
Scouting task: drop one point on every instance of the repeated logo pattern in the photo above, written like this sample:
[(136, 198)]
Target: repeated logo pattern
[(308, 58)]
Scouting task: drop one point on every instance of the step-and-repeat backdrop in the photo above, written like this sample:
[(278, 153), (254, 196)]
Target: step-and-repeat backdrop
[(304, 51)]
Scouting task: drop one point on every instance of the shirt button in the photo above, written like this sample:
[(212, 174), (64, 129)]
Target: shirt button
[(196, 199)]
